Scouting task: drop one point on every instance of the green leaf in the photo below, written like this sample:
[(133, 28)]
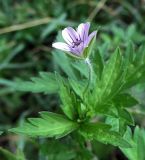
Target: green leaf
[(125, 100), (77, 86), (120, 123), (136, 76), (67, 97), (1, 132), (98, 63), (129, 55), (48, 125), (126, 116), (64, 62), (137, 140), (140, 56), (81, 67), (111, 81), (135, 67), (101, 132), (106, 109), (57, 150), (45, 83), (6, 155)]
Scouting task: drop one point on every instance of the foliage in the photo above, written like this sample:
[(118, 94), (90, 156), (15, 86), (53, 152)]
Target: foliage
[(80, 108), (138, 144)]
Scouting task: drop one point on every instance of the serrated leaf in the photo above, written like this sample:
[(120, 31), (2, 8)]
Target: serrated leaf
[(140, 56), (64, 62), (6, 155), (125, 100), (107, 109), (110, 72), (98, 64), (135, 68), (129, 55), (125, 115), (121, 121), (77, 86), (81, 67), (102, 133), (111, 81), (57, 150), (48, 125), (135, 77), (45, 83), (137, 140), (67, 97)]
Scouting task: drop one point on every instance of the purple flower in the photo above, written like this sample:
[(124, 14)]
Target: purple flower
[(76, 40)]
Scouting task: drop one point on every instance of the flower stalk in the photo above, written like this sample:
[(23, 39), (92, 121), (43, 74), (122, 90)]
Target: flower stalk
[(90, 71)]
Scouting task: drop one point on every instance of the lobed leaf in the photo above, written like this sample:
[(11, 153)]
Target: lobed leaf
[(48, 125), (45, 83), (111, 81), (137, 140), (125, 100), (101, 132), (67, 97)]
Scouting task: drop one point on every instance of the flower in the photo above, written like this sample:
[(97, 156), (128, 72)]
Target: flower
[(76, 40)]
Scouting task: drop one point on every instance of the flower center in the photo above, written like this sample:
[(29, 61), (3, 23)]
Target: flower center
[(76, 43)]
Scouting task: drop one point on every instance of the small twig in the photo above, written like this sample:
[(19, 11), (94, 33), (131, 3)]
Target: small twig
[(31, 24), (25, 25), (98, 7), (89, 145)]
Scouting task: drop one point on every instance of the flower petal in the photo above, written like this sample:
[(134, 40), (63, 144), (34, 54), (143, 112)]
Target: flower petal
[(91, 36), (75, 51), (61, 46), (83, 30), (70, 35)]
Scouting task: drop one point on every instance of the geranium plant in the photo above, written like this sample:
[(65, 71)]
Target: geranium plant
[(94, 92)]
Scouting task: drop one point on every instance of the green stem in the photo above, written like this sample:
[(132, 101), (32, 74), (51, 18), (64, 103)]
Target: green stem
[(87, 61)]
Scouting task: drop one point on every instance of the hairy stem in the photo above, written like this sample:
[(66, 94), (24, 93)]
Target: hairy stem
[(87, 61)]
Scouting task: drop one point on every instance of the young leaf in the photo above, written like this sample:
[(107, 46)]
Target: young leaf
[(135, 67), (125, 100), (68, 98), (111, 81), (138, 144), (7, 155), (77, 86), (101, 132), (48, 125), (98, 64), (120, 123), (57, 150), (135, 77), (64, 62)]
